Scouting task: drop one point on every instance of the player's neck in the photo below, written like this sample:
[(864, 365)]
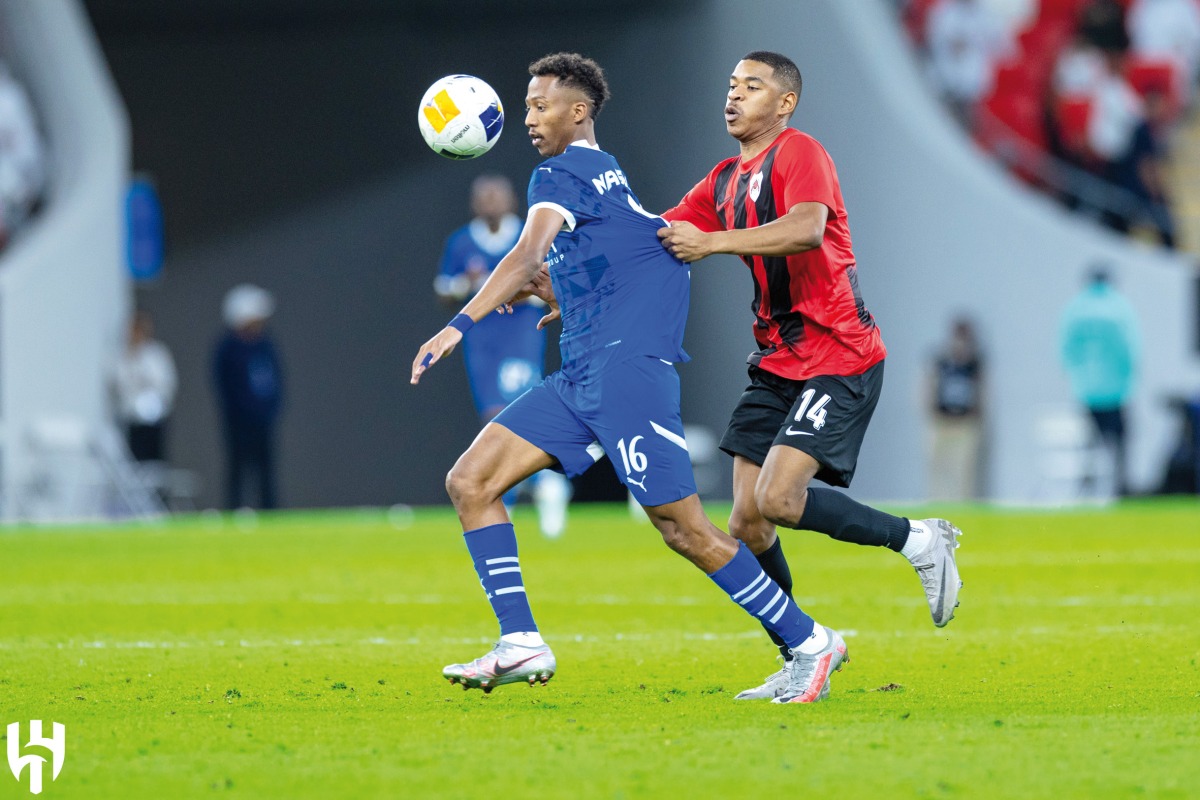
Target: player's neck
[(754, 146), (586, 133)]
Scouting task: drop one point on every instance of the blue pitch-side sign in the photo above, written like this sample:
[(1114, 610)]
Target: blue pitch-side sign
[(143, 230)]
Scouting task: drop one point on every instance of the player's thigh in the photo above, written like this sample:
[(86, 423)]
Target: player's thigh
[(496, 461), (827, 423), (543, 417), (763, 407), (635, 416)]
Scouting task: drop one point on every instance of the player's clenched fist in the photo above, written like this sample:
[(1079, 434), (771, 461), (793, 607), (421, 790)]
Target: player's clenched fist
[(685, 241)]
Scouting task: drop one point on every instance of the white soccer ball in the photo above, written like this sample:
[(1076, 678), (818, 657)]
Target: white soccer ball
[(460, 117)]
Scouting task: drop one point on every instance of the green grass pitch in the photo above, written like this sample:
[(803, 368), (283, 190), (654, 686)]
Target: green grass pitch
[(301, 657)]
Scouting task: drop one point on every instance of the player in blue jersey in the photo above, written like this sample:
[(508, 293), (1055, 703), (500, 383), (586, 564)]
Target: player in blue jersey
[(623, 302), (503, 353)]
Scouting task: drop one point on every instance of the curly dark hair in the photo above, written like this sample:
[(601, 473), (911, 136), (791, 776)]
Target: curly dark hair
[(575, 71), (786, 71)]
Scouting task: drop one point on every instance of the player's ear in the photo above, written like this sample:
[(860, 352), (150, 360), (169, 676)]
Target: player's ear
[(787, 103), (580, 111)]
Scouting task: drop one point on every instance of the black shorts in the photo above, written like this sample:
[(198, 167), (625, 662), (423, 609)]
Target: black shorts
[(825, 416)]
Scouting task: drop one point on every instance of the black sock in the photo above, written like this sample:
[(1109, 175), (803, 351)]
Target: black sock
[(775, 565), (847, 520)]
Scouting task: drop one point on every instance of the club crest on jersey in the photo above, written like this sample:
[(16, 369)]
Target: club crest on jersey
[(755, 186)]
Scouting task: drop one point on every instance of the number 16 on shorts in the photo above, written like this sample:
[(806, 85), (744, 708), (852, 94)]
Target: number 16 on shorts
[(633, 461), (808, 412)]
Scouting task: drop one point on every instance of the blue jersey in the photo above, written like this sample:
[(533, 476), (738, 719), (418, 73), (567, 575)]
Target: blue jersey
[(473, 248), (622, 294), (503, 353)]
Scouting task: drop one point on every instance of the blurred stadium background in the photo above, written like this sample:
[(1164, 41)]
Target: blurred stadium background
[(281, 137)]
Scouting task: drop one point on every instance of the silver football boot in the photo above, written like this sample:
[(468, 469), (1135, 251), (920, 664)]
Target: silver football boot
[(505, 663), (772, 687), (938, 570), (810, 673)]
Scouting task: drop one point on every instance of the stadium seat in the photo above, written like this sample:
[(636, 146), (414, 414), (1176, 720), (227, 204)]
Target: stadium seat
[(1147, 75), (1063, 10), (1072, 113)]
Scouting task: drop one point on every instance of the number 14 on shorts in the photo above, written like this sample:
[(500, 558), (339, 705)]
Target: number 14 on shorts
[(810, 411)]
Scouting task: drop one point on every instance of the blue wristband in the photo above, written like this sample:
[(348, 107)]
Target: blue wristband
[(461, 323)]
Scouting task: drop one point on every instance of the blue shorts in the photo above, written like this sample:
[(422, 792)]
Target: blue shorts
[(504, 355), (630, 412)]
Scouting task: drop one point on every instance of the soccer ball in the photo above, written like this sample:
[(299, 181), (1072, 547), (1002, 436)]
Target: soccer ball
[(460, 117)]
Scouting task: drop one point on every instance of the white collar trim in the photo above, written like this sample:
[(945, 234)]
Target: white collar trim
[(497, 243), (584, 143)]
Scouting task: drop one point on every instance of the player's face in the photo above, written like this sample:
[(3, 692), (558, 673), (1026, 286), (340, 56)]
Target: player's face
[(492, 200), (755, 103), (553, 114)]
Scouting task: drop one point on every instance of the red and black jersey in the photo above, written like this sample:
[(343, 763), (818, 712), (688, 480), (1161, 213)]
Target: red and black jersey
[(809, 314)]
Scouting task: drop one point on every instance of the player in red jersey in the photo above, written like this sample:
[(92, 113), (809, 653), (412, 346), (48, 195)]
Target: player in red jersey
[(816, 375)]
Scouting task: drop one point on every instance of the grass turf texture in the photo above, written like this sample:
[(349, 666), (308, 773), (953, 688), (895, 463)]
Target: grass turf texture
[(301, 657)]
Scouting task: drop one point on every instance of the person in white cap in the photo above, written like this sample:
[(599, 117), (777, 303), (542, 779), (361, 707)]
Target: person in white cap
[(249, 386)]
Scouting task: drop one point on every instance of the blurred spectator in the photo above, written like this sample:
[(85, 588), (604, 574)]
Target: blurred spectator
[(22, 161), (1102, 24), (1079, 68), (1168, 30), (1182, 473), (956, 411), (965, 40), (1099, 349), (1117, 114), (249, 390), (1143, 171), (144, 383)]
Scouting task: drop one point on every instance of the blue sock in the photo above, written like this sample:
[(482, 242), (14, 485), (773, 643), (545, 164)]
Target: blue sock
[(745, 582), (494, 550)]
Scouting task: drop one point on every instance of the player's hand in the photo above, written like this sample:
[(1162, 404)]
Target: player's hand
[(432, 351), (551, 315), (685, 241), (539, 286)]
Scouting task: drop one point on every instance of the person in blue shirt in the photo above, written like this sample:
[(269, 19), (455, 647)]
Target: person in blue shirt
[(623, 302), (249, 386), (503, 353), (1099, 348)]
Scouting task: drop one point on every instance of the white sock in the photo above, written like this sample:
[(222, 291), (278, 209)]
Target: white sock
[(919, 537), (523, 639), (815, 643)]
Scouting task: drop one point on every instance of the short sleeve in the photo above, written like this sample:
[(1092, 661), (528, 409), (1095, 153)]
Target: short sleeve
[(558, 189), (452, 261), (805, 174), (697, 207)]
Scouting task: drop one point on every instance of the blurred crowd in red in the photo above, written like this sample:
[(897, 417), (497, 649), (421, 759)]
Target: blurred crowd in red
[(1077, 96)]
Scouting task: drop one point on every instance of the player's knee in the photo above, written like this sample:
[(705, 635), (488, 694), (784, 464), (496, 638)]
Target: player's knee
[(463, 485), (753, 529), (780, 505), (747, 526)]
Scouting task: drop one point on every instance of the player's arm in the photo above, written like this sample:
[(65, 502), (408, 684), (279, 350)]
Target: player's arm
[(799, 230), (514, 271)]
